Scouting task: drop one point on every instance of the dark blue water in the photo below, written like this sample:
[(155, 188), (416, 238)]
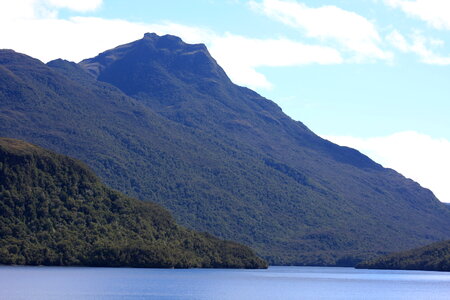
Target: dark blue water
[(274, 283)]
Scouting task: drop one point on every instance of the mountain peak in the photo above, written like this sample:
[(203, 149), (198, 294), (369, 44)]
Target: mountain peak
[(171, 42), (163, 60), (151, 35), (164, 41)]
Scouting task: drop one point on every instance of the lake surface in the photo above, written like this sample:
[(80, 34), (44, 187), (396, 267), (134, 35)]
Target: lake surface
[(275, 283)]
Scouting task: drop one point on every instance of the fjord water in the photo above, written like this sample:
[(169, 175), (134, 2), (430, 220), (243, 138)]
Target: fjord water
[(274, 283)]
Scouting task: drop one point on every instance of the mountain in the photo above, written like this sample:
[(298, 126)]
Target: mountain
[(434, 257), (159, 120), (55, 211)]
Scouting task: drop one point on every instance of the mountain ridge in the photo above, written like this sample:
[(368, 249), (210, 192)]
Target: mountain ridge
[(251, 103)]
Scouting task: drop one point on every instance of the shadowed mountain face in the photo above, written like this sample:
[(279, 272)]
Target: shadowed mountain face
[(54, 211), (185, 84), (160, 120)]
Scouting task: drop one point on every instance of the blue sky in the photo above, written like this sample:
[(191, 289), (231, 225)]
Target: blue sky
[(371, 74)]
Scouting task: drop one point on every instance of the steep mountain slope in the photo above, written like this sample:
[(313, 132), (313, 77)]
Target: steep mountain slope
[(220, 157), (434, 257), (185, 84), (54, 211), (132, 148)]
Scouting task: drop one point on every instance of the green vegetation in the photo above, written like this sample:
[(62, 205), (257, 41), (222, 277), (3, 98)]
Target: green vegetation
[(54, 211), (222, 159), (434, 257)]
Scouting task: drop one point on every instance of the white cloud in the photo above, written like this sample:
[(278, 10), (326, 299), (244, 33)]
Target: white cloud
[(14, 10), (241, 56), (399, 41), (35, 29), (77, 5), (435, 12), (420, 45), (351, 31), (415, 155)]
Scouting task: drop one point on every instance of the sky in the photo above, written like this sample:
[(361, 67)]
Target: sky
[(369, 74)]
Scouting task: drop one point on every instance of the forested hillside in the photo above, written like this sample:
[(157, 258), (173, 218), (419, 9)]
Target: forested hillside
[(434, 257), (54, 211)]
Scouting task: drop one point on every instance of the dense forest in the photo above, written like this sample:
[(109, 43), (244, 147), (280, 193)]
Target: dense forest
[(54, 211), (434, 257), (159, 120)]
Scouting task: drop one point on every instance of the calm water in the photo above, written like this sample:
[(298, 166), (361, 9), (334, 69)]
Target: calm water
[(274, 283)]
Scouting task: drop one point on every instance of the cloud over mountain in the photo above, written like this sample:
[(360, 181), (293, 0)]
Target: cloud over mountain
[(415, 155), (80, 37)]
